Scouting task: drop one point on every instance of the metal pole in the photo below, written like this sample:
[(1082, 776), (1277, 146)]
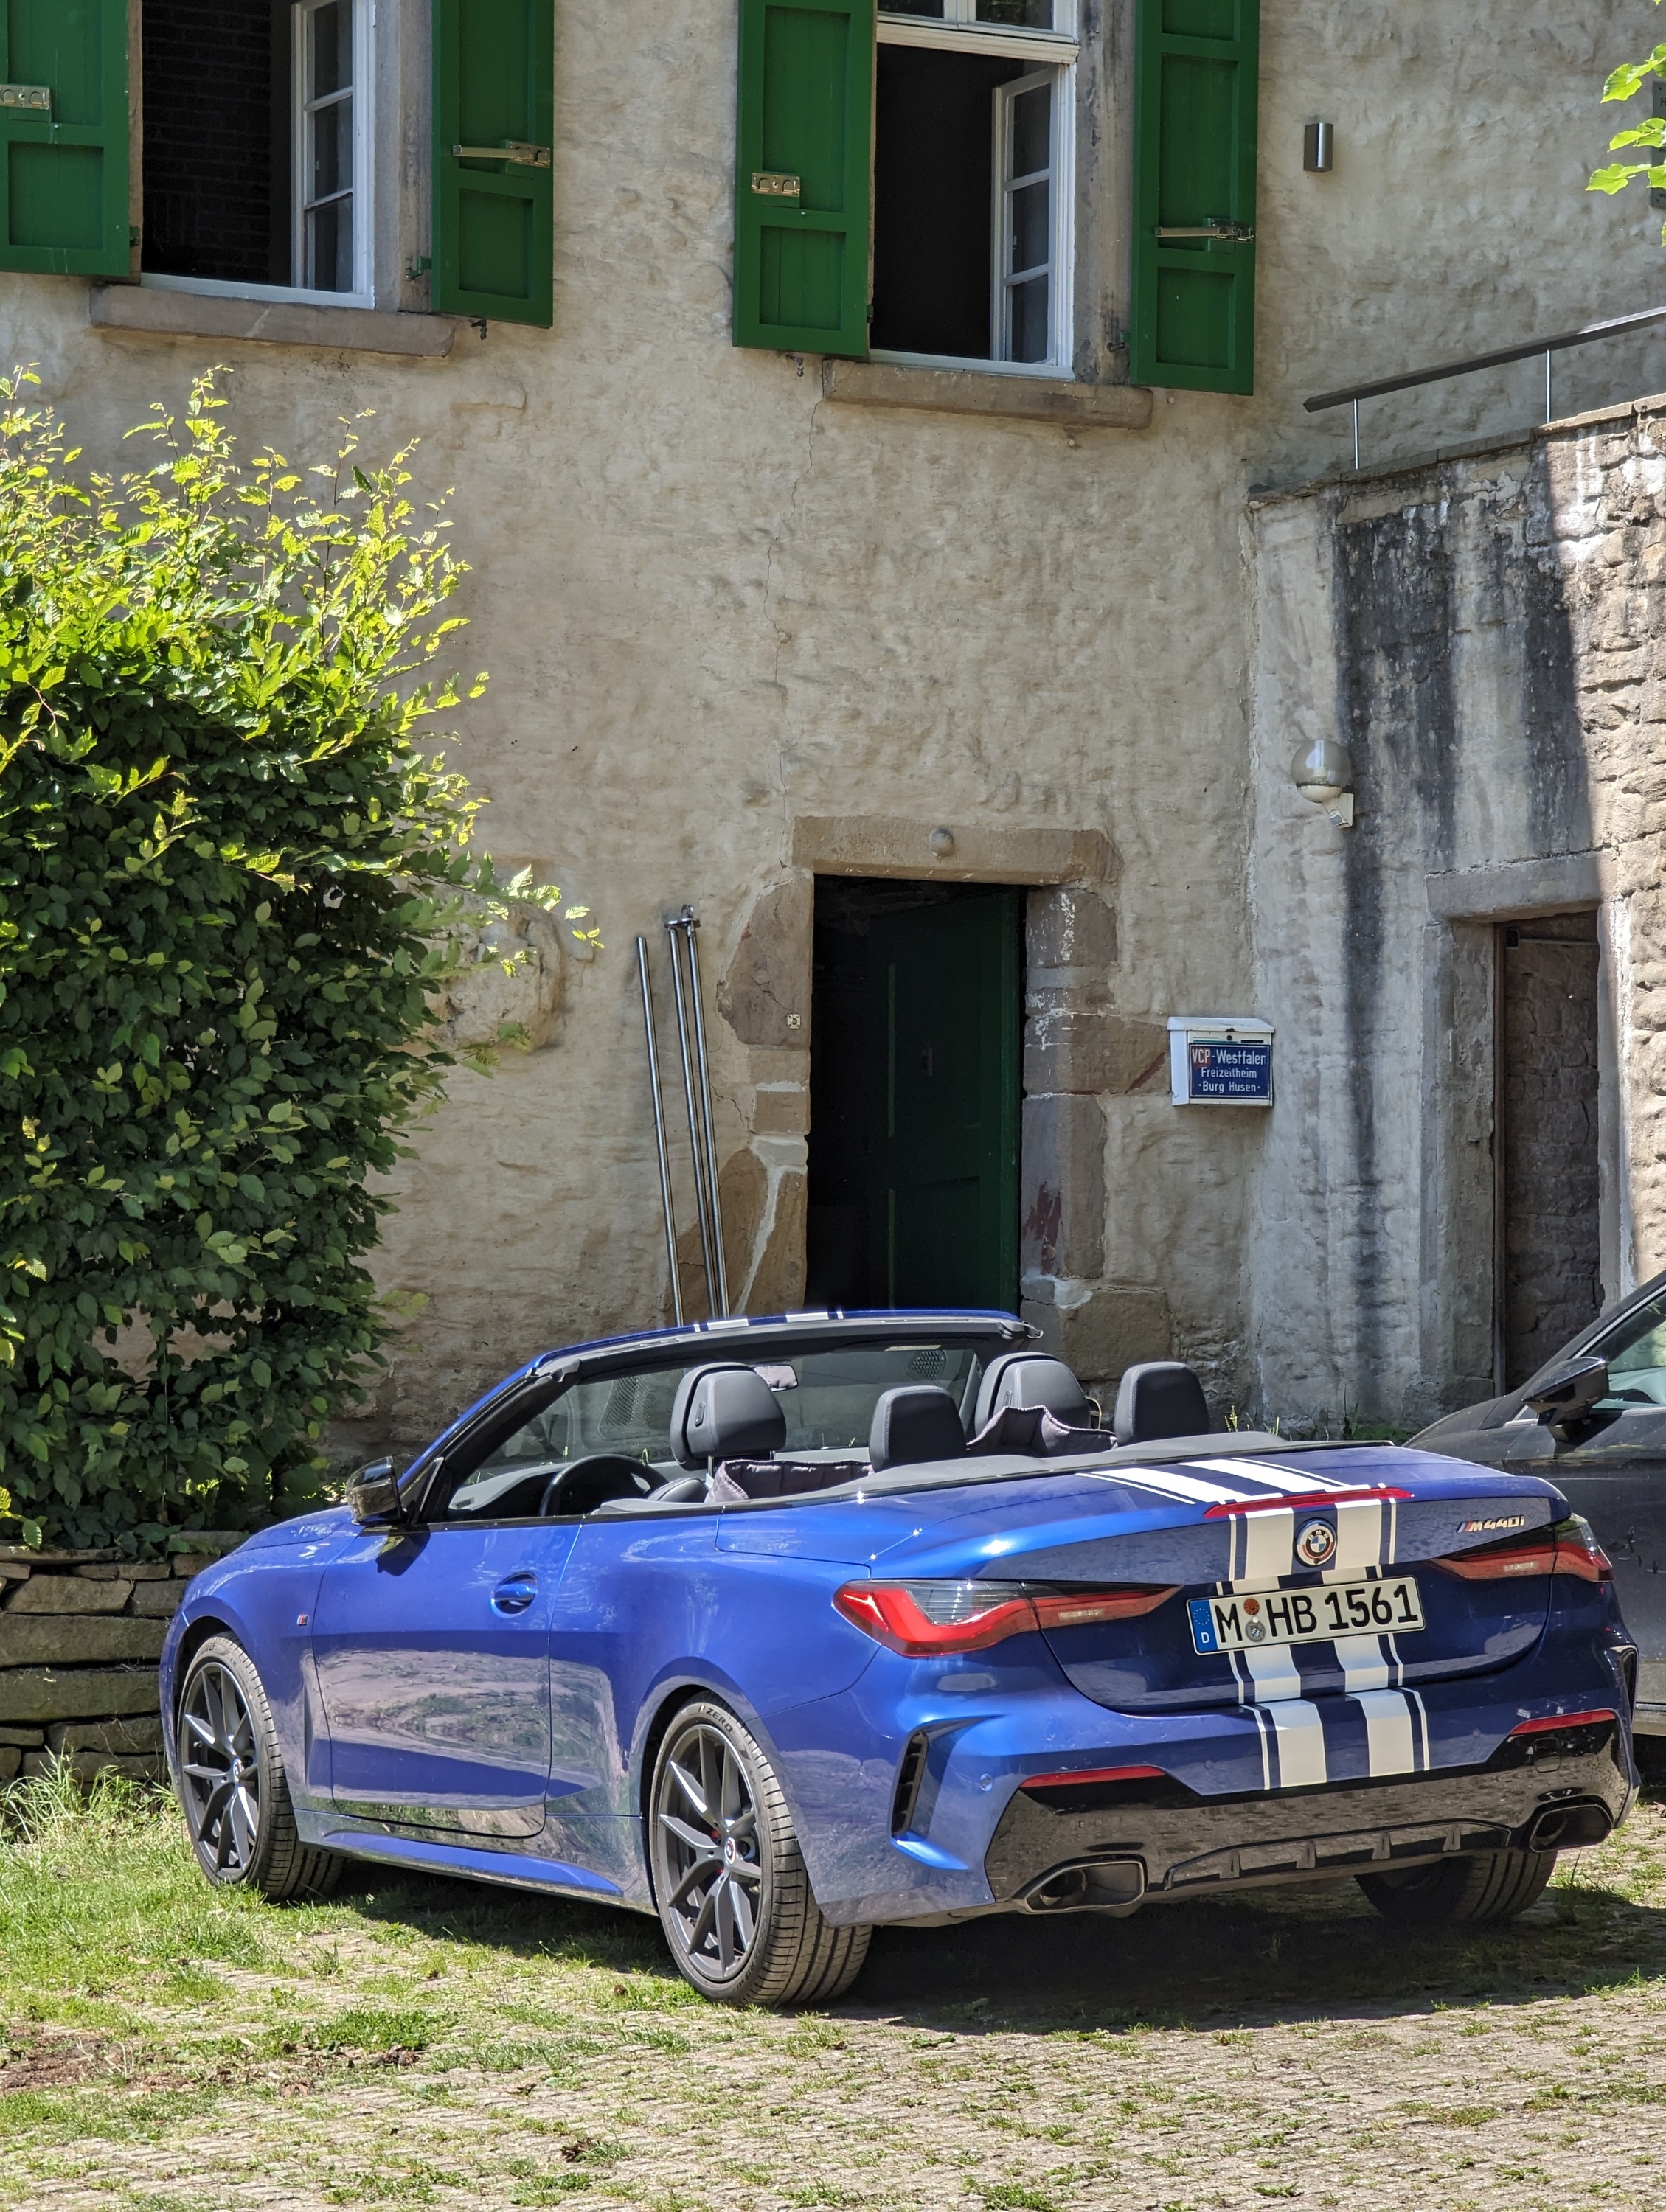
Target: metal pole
[(1550, 411), (673, 929), (660, 1132), (1356, 434), (693, 927)]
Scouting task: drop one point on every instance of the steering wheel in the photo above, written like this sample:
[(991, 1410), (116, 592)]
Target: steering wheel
[(588, 1483)]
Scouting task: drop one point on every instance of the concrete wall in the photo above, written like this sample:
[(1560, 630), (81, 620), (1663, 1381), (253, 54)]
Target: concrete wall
[(1482, 634), (739, 630)]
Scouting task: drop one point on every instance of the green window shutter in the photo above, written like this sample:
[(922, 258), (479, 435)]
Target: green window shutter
[(1193, 323), (64, 154), (494, 87), (803, 166)]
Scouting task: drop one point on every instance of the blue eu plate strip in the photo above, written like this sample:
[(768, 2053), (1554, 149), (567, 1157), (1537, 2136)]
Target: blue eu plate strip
[(1203, 1625)]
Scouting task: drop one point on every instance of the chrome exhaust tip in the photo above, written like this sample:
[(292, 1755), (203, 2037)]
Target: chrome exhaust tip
[(1113, 1886), (1569, 1827)]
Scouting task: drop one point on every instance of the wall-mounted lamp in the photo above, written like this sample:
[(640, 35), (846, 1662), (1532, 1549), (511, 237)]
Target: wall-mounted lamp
[(1322, 771), (1316, 147)]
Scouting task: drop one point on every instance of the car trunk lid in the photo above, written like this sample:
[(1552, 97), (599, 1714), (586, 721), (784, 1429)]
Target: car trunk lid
[(1315, 1541)]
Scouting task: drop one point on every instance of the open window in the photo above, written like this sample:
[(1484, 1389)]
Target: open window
[(907, 181), (972, 183), (262, 156), (257, 148)]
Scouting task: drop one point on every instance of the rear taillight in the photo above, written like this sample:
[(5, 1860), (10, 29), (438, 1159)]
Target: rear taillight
[(1569, 1549), (926, 1619)]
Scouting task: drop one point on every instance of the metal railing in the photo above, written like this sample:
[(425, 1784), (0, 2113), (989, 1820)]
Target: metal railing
[(1587, 334)]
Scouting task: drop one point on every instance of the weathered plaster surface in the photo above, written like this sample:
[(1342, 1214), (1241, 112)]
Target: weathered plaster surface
[(1484, 636), (716, 605)]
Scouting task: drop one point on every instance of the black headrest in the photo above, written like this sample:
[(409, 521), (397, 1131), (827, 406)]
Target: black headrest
[(724, 1412), (1159, 1398), (916, 1422), (1032, 1380)]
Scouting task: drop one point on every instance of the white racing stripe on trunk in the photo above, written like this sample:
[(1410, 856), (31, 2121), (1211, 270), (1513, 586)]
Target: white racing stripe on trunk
[(1301, 1737), (1391, 1535), (1184, 1488), (1272, 1670), (1280, 1480), (1263, 1553), (1389, 1745), (1364, 1667), (1358, 1537)]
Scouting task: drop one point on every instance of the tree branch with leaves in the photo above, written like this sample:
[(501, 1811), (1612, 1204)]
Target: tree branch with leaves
[(1624, 83)]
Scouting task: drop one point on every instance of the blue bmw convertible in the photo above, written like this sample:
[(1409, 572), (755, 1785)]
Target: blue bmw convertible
[(784, 1629)]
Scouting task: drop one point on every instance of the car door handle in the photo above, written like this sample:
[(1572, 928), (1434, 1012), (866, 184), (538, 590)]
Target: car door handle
[(515, 1592)]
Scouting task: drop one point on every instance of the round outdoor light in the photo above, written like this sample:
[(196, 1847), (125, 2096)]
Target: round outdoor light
[(1321, 770)]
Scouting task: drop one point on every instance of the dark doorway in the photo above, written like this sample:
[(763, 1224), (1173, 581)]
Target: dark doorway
[(1548, 1260), (914, 1094)]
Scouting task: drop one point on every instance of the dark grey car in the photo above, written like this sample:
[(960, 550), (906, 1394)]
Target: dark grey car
[(1593, 1420)]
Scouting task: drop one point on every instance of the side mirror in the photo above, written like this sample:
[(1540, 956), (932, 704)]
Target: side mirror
[(372, 1495), (1571, 1391)]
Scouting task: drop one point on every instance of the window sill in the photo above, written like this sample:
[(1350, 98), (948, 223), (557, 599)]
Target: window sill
[(1069, 405), (170, 314)]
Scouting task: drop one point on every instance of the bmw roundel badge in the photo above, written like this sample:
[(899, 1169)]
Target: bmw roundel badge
[(1315, 1544)]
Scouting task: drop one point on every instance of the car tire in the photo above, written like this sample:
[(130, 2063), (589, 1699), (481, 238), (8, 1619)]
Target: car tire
[(730, 1882), (228, 1774), (1490, 1886)]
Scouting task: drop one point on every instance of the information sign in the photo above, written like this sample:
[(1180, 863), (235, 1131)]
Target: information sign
[(1241, 1072), (1220, 1059)]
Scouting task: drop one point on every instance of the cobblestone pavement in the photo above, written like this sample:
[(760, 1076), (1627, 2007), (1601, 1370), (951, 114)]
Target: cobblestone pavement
[(431, 2044)]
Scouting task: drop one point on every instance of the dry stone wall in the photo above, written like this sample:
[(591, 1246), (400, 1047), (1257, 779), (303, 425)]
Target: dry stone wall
[(80, 1636)]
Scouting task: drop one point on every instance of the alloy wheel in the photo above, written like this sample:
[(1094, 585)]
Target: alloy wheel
[(706, 1815), (220, 1770)]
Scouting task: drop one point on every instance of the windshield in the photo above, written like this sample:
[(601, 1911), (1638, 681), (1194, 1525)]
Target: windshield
[(1636, 1353), (828, 1396)]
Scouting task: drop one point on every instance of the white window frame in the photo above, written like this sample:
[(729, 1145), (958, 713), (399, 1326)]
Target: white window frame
[(1053, 53), (359, 92), (1003, 275), (363, 294)]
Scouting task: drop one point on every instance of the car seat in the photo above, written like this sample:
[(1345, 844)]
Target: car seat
[(1032, 1382), (916, 1422), (725, 1411), (1157, 1398)]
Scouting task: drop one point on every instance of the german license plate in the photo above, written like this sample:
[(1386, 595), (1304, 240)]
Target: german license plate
[(1305, 1616)]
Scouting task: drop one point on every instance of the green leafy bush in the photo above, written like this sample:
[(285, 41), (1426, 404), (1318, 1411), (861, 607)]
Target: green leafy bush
[(226, 879)]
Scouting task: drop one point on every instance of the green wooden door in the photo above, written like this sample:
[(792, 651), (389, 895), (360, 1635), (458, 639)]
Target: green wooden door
[(64, 136), (1193, 321), (944, 1196)]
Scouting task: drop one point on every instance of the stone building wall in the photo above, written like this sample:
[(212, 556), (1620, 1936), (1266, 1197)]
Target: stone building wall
[(80, 1636), (747, 622), (1484, 633)]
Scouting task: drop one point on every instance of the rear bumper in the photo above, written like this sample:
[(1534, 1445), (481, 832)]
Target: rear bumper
[(1148, 1842)]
